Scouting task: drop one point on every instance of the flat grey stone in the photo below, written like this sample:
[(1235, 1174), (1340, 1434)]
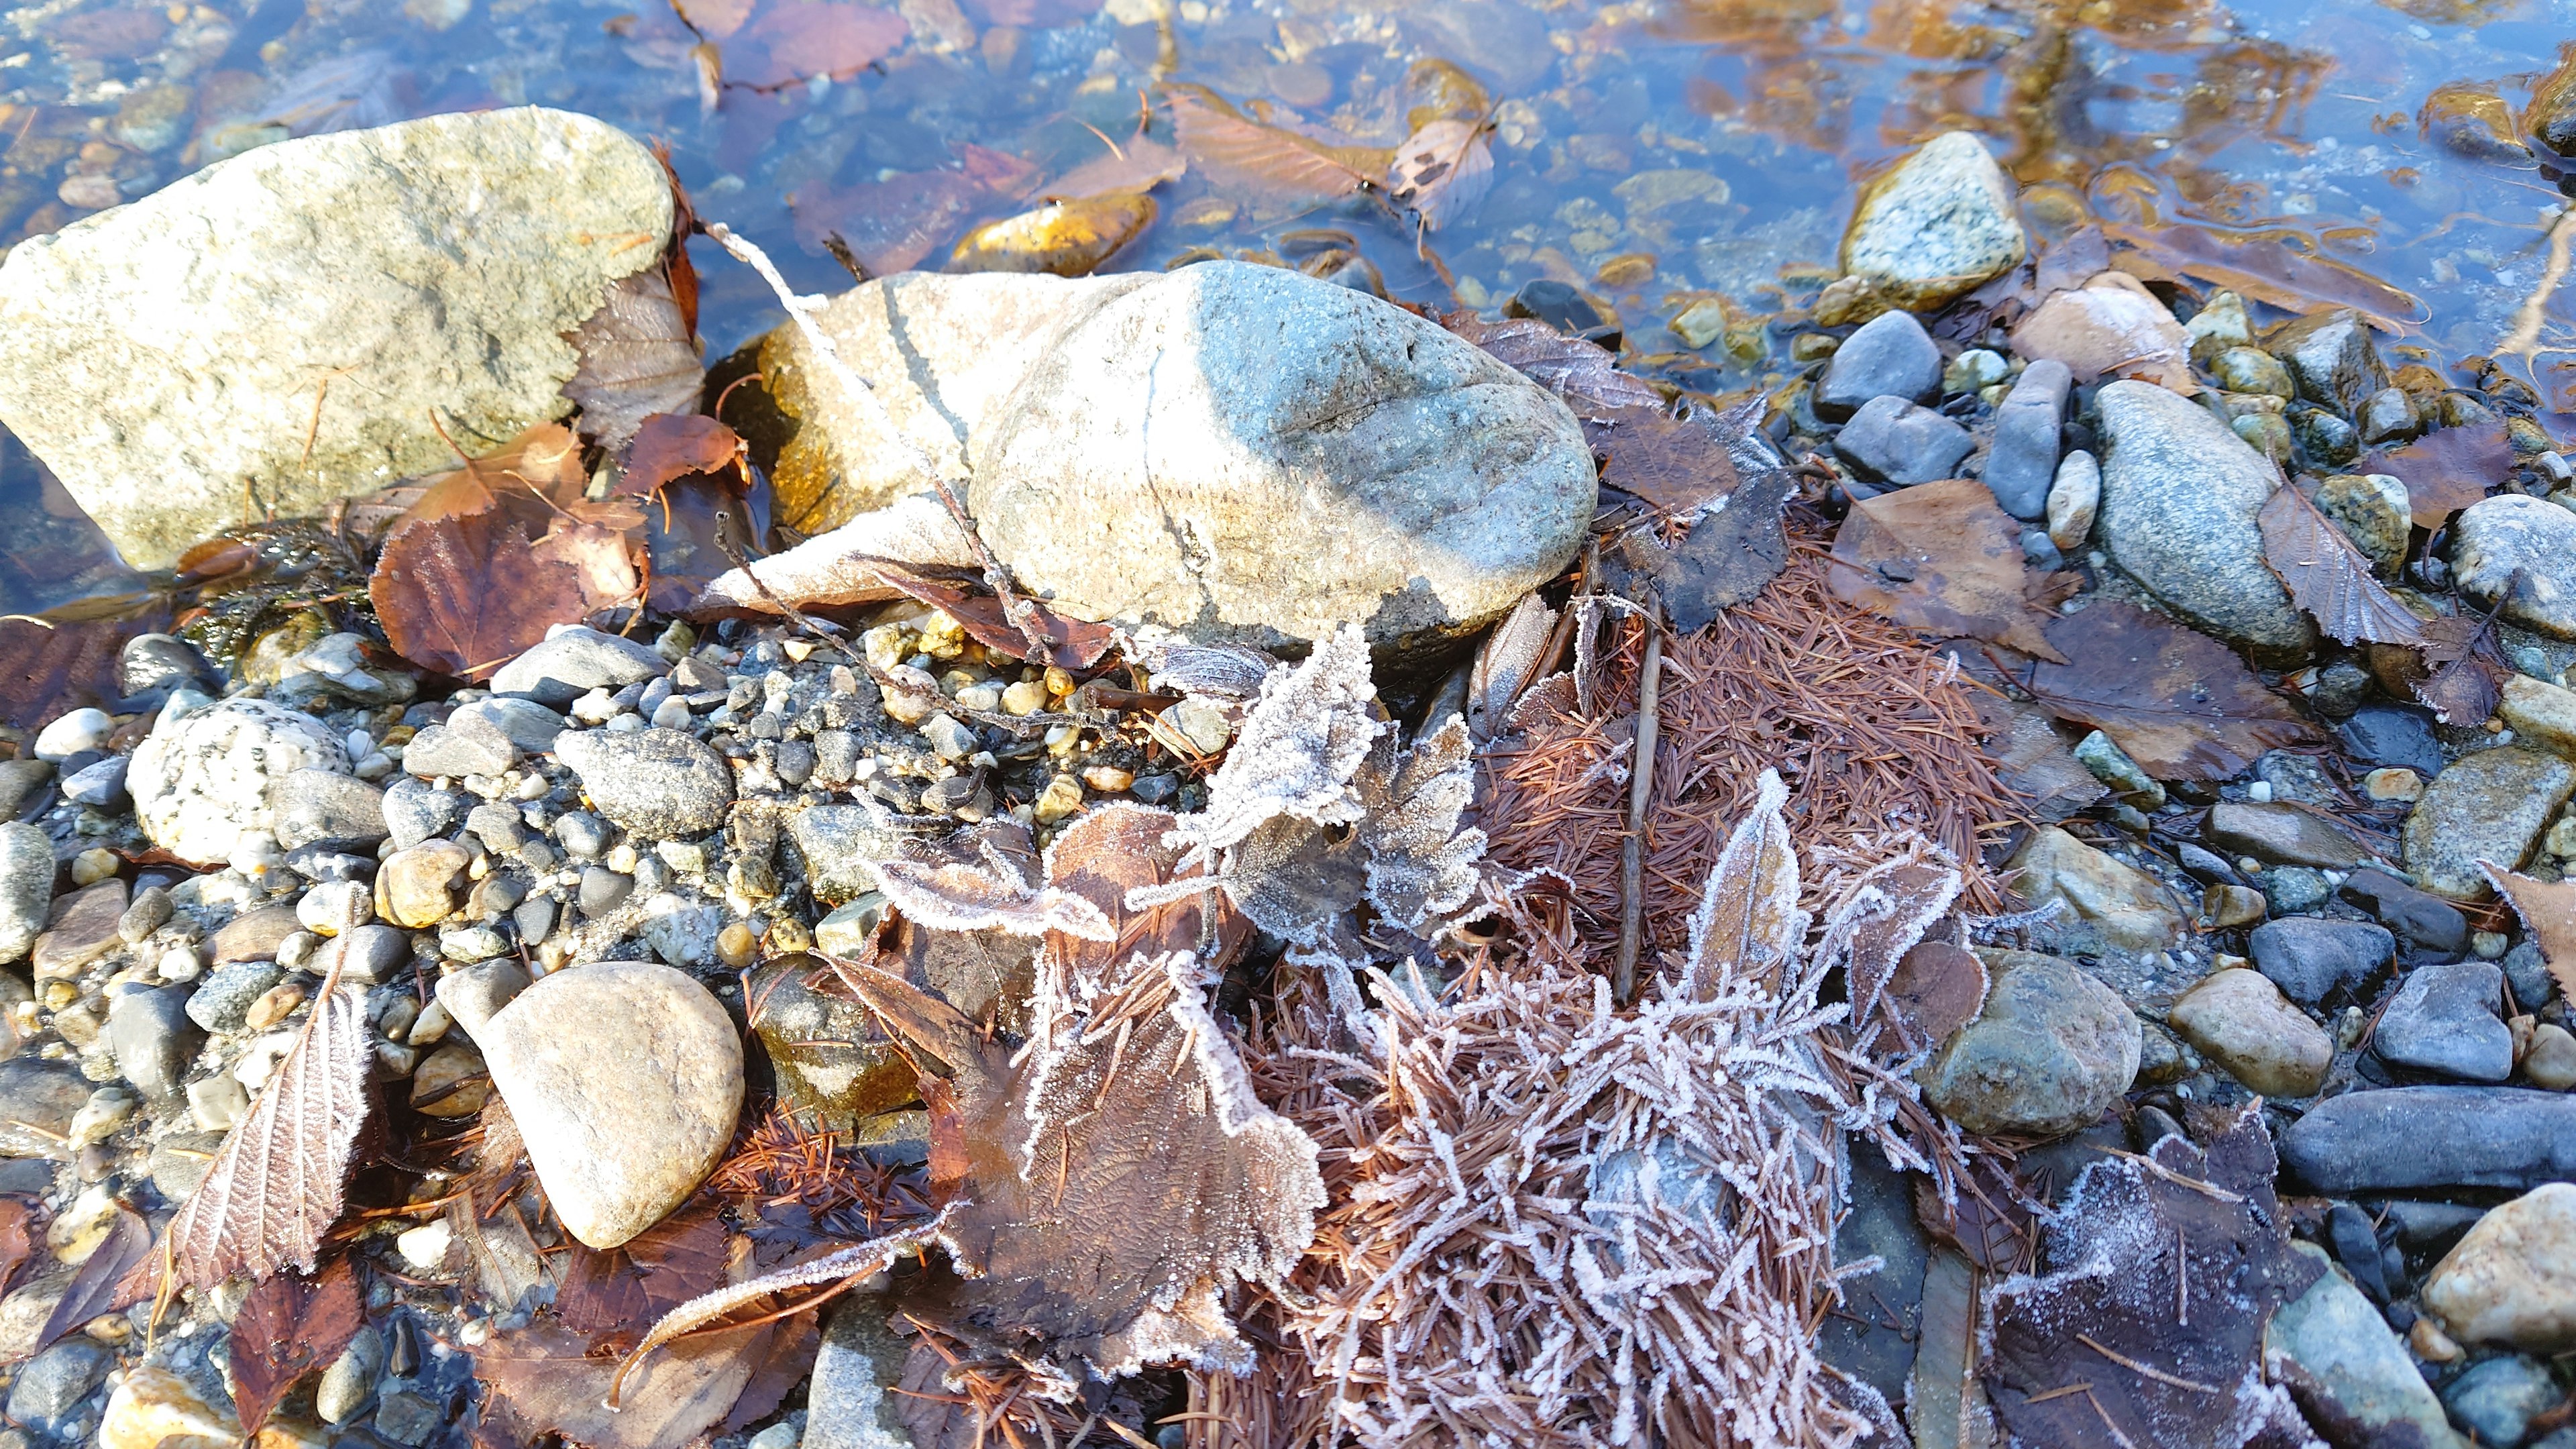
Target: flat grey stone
[(660, 784), (101, 785), (325, 807), (222, 1001), (842, 846), (468, 744), (1889, 356), (37, 1100), (367, 954), (2022, 464), (852, 1402), (2331, 357), (2339, 1350), (527, 724), (571, 662), (2498, 1398), (158, 353), (26, 887), (2403, 1139), (2313, 957), (1902, 443), (54, 1383), (2495, 539), (416, 810), (2443, 1021), (2489, 806), (2283, 834), (153, 1039)]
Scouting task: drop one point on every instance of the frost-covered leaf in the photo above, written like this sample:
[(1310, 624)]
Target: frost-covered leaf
[(996, 890), (1305, 737), (1227, 671), (2328, 576), (1504, 664), (1882, 916), (2146, 1325), (276, 1182), (1121, 858), (1421, 865), (1294, 879), (1748, 922), (1935, 989)]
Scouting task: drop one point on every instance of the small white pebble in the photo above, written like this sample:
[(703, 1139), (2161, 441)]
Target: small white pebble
[(180, 963), (425, 1247), (671, 714), (475, 1333), (360, 744), (2260, 792)]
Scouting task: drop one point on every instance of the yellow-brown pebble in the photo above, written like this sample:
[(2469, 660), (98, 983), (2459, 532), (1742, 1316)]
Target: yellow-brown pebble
[(735, 946), (1026, 697), (1109, 779), (1063, 797)]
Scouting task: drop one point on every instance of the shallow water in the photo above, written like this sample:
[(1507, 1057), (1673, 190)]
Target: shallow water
[(1655, 155)]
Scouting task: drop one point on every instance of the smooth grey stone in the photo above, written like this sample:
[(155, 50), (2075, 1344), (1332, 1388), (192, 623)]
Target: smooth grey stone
[(658, 783), (2443, 1021), (2497, 1399), (603, 890), (416, 811), (2180, 491), (2331, 358), (836, 757), (37, 1100), (2297, 779), (1888, 356), (2489, 807), (2051, 1050), (54, 1383), (2430, 1227), (2324, 437), (2347, 1358), (842, 846), (470, 943), (2313, 957), (534, 918), (573, 662), (148, 912), (1878, 1347), (153, 1039), (20, 779), (101, 785), (468, 744), (2403, 1139), (319, 863), (26, 887), (367, 954), (2283, 834), (159, 661), (324, 807), (407, 1416), (472, 993), (2419, 917), (2526, 970), (181, 1161), (2389, 416), (222, 1002), (584, 836), (2495, 539), (1902, 443), (500, 827), (2393, 736), (2022, 464), (795, 763), (527, 724), (350, 1381), (1945, 219)]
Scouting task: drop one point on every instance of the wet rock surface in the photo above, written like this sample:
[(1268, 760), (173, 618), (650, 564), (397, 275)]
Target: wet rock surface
[(1944, 220)]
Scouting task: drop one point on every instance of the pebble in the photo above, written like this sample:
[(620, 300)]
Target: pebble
[(2283, 834), (2491, 805), (148, 912), (180, 963), (54, 1383), (625, 1079), (681, 932), (1944, 220), (841, 846), (2373, 511), (20, 779), (100, 786), (500, 827), (573, 661), (217, 1102), (2241, 1021), (2394, 735), (2180, 492), (736, 946), (203, 782), (2252, 370), (425, 1247), (2021, 467), (79, 929), (2540, 714), (834, 1065), (222, 1002), (1889, 356), (603, 890), (656, 783), (2442, 1021), (322, 807), (2425, 920), (26, 887), (38, 1100), (2392, 787), (2331, 357), (2496, 1400), (2399, 1139), (2312, 958), (855, 1400), (350, 1381), (152, 1037), (416, 887), (152, 1405), (2550, 1063), (2051, 1051), (2512, 1278), (406, 1416), (107, 1109), (2494, 537), (2124, 907), (472, 994), (846, 930), (416, 811), (334, 906), (76, 732), (949, 737), (1902, 443), (2347, 1358), (583, 835), (465, 745), (451, 1082)]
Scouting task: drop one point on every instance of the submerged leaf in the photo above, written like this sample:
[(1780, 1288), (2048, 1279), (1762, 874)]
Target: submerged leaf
[(2265, 268), (1677, 463), (2467, 682), (276, 1182), (2329, 577), (291, 1325), (2448, 469), (542, 1379), (1140, 163), (792, 41), (1235, 150), (1443, 170), (1731, 554), (1583, 373), (2179, 702), (1942, 557), (1062, 238)]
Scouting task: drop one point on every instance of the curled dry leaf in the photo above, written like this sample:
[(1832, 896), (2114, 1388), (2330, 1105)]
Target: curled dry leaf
[(2147, 1326), (671, 446), (1062, 238), (117, 1273), (845, 566), (1236, 151), (1936, 989), (1748, 925), (2112, 325), (1731, 555), (464, 596), (276, 1182), (1583, 373), (1942, 557), (2467, 676), (1505, 664), (2329, 577), (1072, 643), (1876, 925), (534, 476), (2548, 912), (291, 1325), (1443, 170), (993, 892), (2179, 702)]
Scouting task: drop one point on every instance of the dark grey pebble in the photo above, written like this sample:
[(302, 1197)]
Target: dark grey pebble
[(2443, 1021), (2312, 957), (416, 811), (152, 1038), (2404, 1139), (325, 807), (1889, 356), (1902, 443), (2430, 922)]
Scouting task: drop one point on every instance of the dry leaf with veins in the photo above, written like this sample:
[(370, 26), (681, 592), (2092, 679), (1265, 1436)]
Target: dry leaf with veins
[(276, 1183), (2182, 705), (1748, 923), (637, 358), (2548, 912), (2329, 577), (1877, 928), (1941, 557), (1235, 150), (1443, 170), (1505, 663), (1583, 373), (1309, 729), (290, 1326), (993, 893)]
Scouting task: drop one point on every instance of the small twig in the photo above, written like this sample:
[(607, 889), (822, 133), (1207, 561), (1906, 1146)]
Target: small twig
[(2524, 340), (2146, 1369), (2207, 1190), (1632, 850), (1022, 614)]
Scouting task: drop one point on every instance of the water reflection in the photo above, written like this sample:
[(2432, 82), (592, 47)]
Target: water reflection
[(1686, 164)]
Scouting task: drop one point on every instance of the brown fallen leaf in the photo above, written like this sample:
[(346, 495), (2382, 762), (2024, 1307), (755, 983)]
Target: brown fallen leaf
[(1236, 151), (291, 1325), (533, 474), (1936, 989), (1076, 643), (2182, 705), (788, 1362), (115, 1275), (18, 1237), (1990, 1217), (2548, 912), (276, 1182), (2273, 267), (714, 19), (2448, 469), (1675, 462), (632, 1286), (1061, 238), (1748, 923), (638, 357), (1729, 556), (2327, 575), (1583, 373), (48, 668), (2110, 326), (1942, 557), (789, 42), (2069, 261), (670, 446), (543, 1379), (1877, 927), (2468, 674), (1140, 163), (465, 596), (1442, 171)]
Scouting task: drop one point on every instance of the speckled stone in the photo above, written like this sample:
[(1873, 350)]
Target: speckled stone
[(2492, 806)]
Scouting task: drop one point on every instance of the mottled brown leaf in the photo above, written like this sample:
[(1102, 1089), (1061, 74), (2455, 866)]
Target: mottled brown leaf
[(1875, 926), (1730, 555), (1942, 557), (533, 475), (1675, 463), (1748, 922), (1988, 1218), (602, 560), (1583, 373), (670, 446), (2146, 1326), (789, 42), (637, 358), (1505, 664), (2329, 577), (788, 1362), (1936, 989), (2448, 469), (465, 596), (1121, 847), (1140, 163), (1443, 170), (107, 1280), (1235, 150), (276, 1183), (2548, 912), (629, 1287), (2262, 268), (543, 1379), (2467, 679), (289, 1326), (2179, 702), (1076, 643)]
